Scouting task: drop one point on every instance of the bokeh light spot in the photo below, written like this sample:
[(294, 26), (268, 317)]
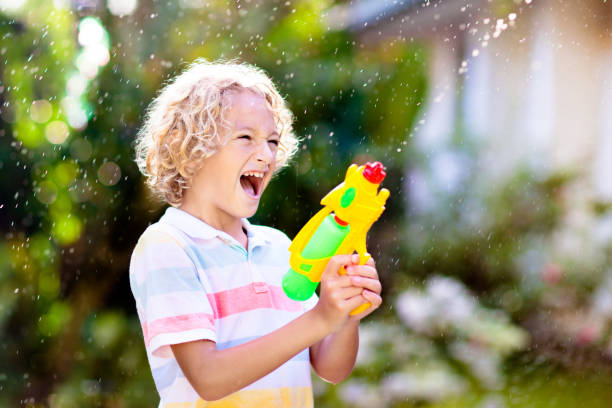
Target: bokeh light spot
[(92, 32), (107, 329), (76, 85), (57, 132), (122, 7), (86, 61), (75, 112), (52, 322), (29, 133), (67, 229), (46, 192), (41, 111), (11, 6), (62, 204), (64, 174), (81, 191), (109, 173)]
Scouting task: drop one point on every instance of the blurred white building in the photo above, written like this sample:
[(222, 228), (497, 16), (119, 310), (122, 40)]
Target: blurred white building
[(529, 81)]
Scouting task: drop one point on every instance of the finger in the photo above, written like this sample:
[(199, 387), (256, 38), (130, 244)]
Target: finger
[(362, 270), (355, 302), (372, 285), (339, 281), (374, 302), (345, 294), (335, 262), (374, 298), (356, 259)]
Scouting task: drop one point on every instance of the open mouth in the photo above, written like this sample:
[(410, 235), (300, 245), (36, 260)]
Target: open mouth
[(251, 182)]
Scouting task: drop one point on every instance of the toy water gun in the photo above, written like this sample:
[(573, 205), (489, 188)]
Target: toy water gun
[(340, 227)]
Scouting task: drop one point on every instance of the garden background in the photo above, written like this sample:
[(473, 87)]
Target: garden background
[(492, 117)]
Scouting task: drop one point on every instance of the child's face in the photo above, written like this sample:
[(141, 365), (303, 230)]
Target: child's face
[(230, 182)]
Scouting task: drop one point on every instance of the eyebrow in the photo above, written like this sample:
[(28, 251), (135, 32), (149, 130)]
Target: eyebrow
[(275, 133)]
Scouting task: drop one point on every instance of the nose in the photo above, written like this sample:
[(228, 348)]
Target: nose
[(265, 153)]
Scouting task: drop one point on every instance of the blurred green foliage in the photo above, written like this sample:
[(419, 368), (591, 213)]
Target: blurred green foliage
[(71, 335)]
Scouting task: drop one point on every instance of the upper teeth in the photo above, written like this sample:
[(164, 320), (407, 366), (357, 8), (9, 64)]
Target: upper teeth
[(254, 173)]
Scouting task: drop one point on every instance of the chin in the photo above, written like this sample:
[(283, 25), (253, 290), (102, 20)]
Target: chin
[(247, 212)]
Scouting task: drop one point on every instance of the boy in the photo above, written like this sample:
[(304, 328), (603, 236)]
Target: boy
[(216, 323)]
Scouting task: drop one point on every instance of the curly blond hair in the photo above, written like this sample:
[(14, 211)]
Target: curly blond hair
[(182, 123)]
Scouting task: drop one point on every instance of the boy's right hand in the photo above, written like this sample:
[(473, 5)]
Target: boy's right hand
[(339, 296)]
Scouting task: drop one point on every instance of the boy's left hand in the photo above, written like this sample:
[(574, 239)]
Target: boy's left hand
[(365, 277)]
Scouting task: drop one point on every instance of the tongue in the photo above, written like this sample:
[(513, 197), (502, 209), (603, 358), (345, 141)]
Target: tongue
[(247, 185)]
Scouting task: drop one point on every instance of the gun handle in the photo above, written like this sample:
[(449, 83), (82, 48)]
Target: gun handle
[(360, 309)]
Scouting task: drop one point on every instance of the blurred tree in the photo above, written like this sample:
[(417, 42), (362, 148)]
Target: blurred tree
[(73, 202)]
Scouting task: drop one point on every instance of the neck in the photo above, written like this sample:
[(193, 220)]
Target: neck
[(228, 224)]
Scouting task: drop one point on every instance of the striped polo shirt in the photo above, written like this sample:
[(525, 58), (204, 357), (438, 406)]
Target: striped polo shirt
[(194, 282)]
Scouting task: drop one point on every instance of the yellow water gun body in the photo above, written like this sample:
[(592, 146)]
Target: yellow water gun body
[(340, 227)]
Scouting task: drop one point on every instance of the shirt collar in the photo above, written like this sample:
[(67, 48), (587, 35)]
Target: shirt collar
[(255, 235), (196, 228)]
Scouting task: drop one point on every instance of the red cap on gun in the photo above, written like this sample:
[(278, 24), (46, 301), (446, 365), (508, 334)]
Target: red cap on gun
[(374, 172)]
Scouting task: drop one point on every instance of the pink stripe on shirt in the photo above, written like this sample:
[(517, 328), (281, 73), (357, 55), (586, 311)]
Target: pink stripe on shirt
[(248, 297), (176, 324)]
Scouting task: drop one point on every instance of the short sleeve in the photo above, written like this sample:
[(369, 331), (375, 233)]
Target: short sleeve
[(172, 302)]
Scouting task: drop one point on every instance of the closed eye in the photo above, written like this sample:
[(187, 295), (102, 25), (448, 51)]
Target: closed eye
[(275, 142), (244, 137)]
